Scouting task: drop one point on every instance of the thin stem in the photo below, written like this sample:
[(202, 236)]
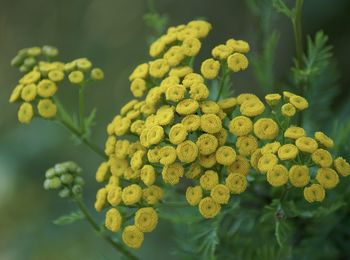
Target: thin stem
[(82, 108), (119, 247), (222, 83)]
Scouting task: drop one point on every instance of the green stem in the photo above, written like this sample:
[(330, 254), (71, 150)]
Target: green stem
[(222, 83), (82, 108), (119, 247)]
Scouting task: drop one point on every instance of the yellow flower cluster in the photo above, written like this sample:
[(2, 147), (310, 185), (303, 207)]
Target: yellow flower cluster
[(37, 88), (173, 131)]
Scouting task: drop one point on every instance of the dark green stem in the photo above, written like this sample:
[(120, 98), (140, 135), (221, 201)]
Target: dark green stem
[(222, 84), (81, 109), (119, 247)]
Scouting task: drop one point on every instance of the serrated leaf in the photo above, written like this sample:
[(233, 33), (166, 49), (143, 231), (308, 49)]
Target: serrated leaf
[(281, 7), (69, 218)]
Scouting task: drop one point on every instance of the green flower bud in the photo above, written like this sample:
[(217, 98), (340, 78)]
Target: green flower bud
[(46, 184), (64, 193), (50, 51), (34, 51), (55, 183), (67, 178), (30, 62), (50, 173), (24, 68), (79, 180), (97, 74), (17, 61), (23, 53), (77, 189), (60, 168)]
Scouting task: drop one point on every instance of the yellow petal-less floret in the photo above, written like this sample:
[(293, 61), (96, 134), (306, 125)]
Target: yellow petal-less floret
[(237, 183), (277, 176), (225, 155), (146, 219), (266, 129), (299, 175), (327, 177), (132, 236), (237, 62), (25, 113), (208, 207), (113, 220), (342, 166), (210, 68), (194, 195), (314, 193), (46, 108), (241, 125)]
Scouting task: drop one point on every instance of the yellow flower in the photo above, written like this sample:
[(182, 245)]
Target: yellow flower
[(211, 123), (324, 140), (299, 175), (294, 132), (314, 193), (47, 108), (180, 71), (191, 122), (287, 95), (220, 194), (46, 88), (288, 152), (29, 92), (165, 115), (237, 183), (246, 97), (306, 144), (101, 172), (131, 194), (152, 195), (225, 155), (299, 102), (342, 166), (209, 107), (83, 64), (238, 45), (128, 106), (121, 125), (25, 113), (177, 134), (221, 136), (207, 144), (270, 148), (246, 145), (31, 77), (174, 56), (153, 155), (138, 87), (241, 125), (266, 129), (194, 171), (117, 166), (202, 27), (132, 236), (187, 107), (167, 155), (114, 196), (155, 134), (210, 68), (255, 157), (158, 68), (187, 151), (207, 161), (240, 165), (273, 99), (16, 93), (194, 195), (237, 62), (56, 75), (34, 51), (136, 160), (191, 46), (156, 48), (121, 148), (101, 196), (288, 110), (191, 79), (76, 77), (221, 52), (209, 180), (199, 91), (97, 74), (327, 177), (146, 219), (322, 158), (141, 71), (208, 207), (187, 32), (172, 173), (277, 176), (175, 93), (267, 162), (227, 103), (252, 108), (133, 114), (113, 220)]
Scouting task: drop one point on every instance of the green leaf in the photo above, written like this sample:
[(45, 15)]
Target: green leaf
[(281, 7), (282, 232), (69, 218)]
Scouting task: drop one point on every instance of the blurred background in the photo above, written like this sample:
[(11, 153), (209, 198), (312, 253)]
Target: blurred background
[(115, 36)]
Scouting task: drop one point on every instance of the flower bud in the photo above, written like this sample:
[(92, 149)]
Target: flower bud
[(55, 183), (79, 180), (64, 193), (30, 62), (77, 189), (67, 178), (47, 184), (50, 173), (50, 51), (97, 74)]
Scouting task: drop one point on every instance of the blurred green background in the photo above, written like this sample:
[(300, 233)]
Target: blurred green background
[(113, 34)]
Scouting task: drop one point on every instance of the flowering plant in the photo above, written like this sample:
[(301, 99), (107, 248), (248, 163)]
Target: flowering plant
[(185, 137)]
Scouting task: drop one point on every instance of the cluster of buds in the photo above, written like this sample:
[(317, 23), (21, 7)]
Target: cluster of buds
[(66, 178)]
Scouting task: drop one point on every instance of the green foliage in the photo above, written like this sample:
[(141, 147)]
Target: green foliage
[(69, 218), (281, 7), (156, 21)]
